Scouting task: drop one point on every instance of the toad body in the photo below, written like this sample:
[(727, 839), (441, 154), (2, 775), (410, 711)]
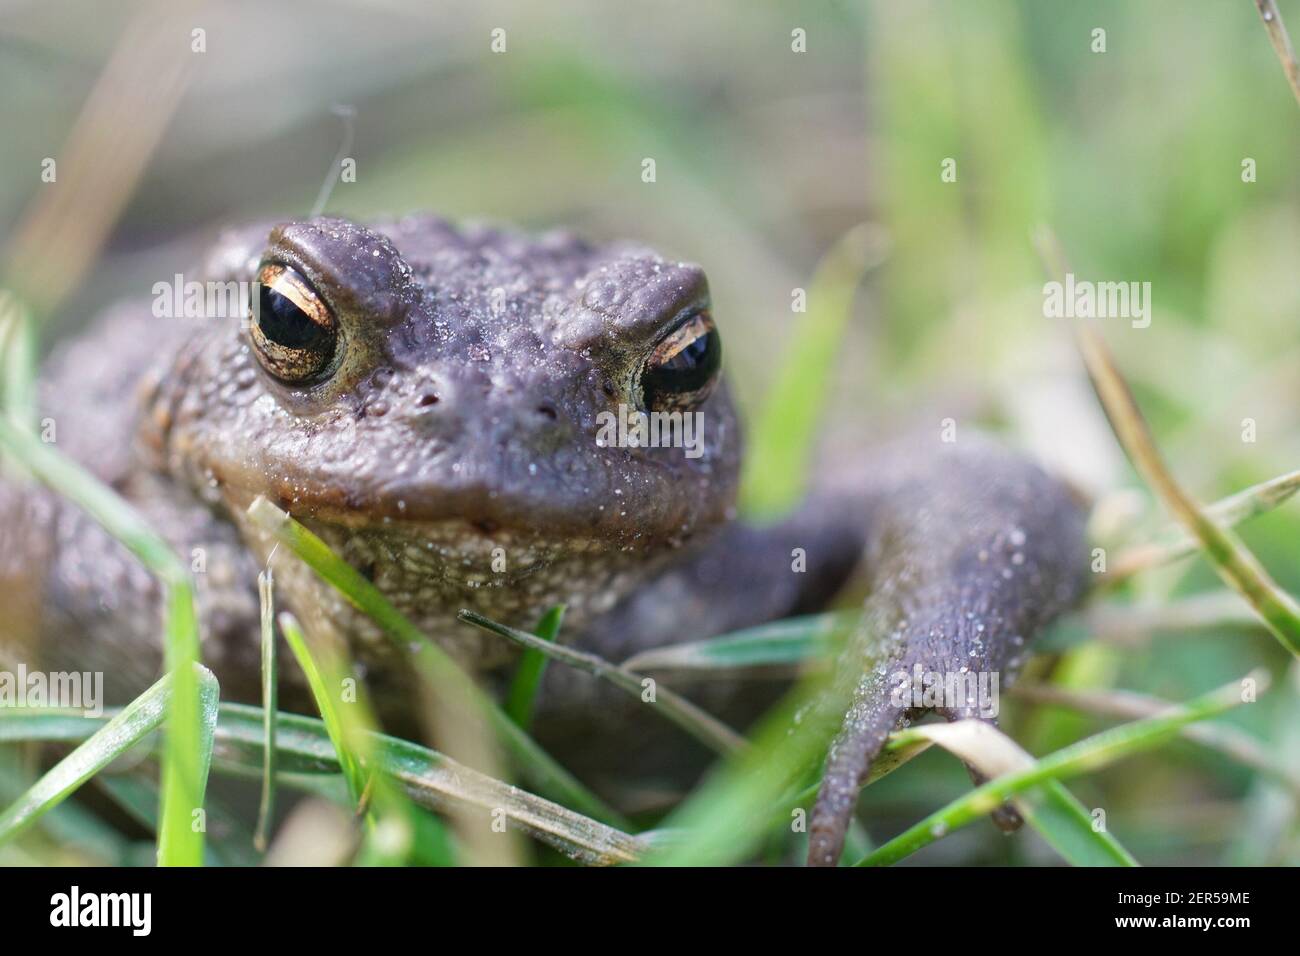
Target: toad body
[(431, 400)]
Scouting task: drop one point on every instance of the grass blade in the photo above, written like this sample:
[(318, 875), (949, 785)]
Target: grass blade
[(701, 725), (1281, 41), (349, 760), (1265, 834), (1051, 809), (782, 646), (1175, 543), (1086, 755), (536, 765), (1232, 742), (270, 704), (17, 361), (1233, 561), (1066, 825), (68, 831), (437, 782), (187, 758), (390, 819), (429, 778), (183, 771), (229, 842), (726, 817), (528, 675), (102, 746), (781, 438)]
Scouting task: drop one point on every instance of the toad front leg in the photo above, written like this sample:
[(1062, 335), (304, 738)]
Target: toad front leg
[(972, 552), (969, 551)]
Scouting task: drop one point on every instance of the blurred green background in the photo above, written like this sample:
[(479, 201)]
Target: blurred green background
[(765, 158)]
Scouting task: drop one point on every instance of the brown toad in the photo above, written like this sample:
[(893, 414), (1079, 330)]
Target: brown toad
[(430, 400)]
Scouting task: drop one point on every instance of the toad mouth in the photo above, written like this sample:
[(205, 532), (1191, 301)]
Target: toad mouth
[(469, 554)]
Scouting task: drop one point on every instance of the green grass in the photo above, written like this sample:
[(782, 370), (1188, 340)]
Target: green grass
[(781, 442), (429, 660), (309, 762), (722, 822), (1008, 89), (1085, 756), (716, 825), (346, 736), (352, 729), (522, 696), (112, 740), (701, 725), (1235, 563), (184, 771)]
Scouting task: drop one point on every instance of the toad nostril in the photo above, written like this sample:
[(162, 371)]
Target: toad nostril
[(427, 399), (547, 410)]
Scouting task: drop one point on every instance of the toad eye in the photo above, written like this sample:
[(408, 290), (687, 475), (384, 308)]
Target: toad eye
[(294, 332), (683, 368)]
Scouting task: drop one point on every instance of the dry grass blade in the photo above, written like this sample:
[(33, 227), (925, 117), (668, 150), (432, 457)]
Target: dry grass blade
[(699, 724), (1233, 561), (51, 251), (270, 704), (1084, 756), (580, 837), (17, 361), (1281, 41), (103, 158), (1226, 512), (1051, 809)]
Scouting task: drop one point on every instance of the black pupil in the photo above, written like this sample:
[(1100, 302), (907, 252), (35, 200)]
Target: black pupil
[(285, 324), (688, 371)]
